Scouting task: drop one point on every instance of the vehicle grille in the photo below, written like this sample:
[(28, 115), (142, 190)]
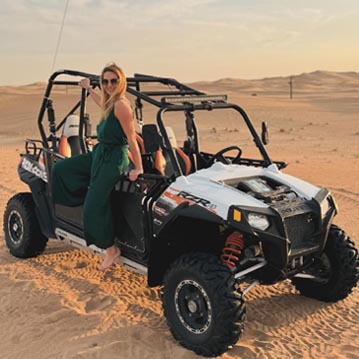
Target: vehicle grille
[(300, 230)]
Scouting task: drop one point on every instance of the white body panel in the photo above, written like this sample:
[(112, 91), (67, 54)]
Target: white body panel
[(207, 184)]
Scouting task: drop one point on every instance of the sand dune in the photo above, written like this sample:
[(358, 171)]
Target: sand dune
[(58, 306), (313, 84)]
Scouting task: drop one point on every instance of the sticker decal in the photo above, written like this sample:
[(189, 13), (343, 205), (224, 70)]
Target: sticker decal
[(201, 201), (177, 197), (157, 222), (34, 169)]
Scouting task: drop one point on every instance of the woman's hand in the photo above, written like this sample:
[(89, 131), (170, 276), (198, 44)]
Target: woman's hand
[(85, 83), (135, 173), (91, 141)]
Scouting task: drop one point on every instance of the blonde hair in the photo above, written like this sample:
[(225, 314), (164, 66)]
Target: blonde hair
[(108, 101)]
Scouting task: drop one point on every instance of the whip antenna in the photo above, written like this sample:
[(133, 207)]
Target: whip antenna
[(59, 38)]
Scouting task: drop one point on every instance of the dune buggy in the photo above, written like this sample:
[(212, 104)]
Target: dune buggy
[(205, 226)]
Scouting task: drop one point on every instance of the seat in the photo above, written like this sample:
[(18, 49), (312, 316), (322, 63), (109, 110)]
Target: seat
[(69, 144), (183, 160), (140, 143), (141, 147), (153, 142)]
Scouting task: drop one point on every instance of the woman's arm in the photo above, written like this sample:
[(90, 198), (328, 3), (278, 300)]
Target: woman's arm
[(85, 84), (124, 115)]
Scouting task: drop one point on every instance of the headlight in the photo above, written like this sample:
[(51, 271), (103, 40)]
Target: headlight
[(258, 221)]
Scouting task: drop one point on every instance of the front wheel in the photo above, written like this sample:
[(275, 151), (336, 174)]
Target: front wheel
[(335, 273), (21, 227), (204, 311)]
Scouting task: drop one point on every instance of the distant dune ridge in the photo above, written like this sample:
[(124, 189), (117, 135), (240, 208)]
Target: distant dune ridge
[(58, 306), (313, 81), (317, 81)]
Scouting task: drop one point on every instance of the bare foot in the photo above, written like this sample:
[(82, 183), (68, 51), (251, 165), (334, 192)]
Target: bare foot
[(111, 255)]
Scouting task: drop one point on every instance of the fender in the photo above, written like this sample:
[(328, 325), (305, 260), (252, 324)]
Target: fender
[(39, 191), (187, 227)]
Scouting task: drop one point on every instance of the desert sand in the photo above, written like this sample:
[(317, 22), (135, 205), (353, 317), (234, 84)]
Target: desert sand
[(59, 306)]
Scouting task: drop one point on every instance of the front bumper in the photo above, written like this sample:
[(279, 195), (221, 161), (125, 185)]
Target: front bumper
[(298, 230)]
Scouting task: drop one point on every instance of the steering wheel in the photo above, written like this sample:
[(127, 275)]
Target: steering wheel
[(219, 156)]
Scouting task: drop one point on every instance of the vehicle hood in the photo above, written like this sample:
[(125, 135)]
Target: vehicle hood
[(208, 185)]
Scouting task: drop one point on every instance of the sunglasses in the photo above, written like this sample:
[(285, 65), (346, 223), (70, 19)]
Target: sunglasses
[(113, 82)]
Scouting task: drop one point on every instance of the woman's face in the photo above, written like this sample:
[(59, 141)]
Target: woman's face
[(110, 82)]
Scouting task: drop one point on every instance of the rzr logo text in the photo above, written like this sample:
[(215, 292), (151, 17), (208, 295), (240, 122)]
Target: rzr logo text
[(203, 202)]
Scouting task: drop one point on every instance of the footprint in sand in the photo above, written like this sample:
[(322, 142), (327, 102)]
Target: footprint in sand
[(99, 304)]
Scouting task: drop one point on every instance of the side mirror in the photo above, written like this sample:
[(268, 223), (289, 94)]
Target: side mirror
[(265, 133)]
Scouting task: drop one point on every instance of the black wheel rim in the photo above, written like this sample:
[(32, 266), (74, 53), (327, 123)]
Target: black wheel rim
[(15, 227), (193, 306), (322, 269)]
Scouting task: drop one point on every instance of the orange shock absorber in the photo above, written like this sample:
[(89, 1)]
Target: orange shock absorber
[(232, 249)]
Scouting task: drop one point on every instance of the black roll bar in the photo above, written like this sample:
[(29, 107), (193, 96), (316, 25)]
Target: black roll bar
[(206, 106), (44, 105), (84, 95), (178, 91)]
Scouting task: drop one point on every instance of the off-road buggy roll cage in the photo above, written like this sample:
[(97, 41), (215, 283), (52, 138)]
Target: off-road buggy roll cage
[(178, 98)]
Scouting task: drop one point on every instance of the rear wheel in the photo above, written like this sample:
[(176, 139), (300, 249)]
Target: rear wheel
[(21, 227), (335, 273), (204, 311)]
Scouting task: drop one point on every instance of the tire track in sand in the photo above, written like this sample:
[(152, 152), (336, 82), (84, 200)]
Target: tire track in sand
[(346, 195), (117, 297), (283, 324), (6, 189)]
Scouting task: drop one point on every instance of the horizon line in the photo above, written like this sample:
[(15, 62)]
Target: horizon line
[(218, 79)]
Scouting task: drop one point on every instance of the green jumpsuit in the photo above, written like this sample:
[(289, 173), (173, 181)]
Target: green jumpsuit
[(89, 179)]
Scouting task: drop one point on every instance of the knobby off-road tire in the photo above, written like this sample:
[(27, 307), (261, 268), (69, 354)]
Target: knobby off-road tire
[(337, 270), (21, 227), (204, 311)]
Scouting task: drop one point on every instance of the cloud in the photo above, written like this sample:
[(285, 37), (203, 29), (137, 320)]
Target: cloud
[(165, 32)]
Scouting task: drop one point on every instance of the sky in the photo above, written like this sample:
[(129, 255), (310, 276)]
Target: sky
[(189, 40)]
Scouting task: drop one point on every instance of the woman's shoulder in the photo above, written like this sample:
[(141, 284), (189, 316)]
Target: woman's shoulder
[(122, 105), (122, 101)]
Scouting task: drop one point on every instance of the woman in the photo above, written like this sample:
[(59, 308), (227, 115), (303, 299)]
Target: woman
[(89, 178)]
